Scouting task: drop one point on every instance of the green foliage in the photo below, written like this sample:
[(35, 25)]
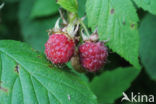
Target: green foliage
[(34, 31), (147, 44), (81, 7), (69, 5), (110, 85), (116, 24), (82, 76), (149, 5), (27, 78), (44, 8)]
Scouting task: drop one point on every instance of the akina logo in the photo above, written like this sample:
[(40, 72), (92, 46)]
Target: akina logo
[(137, 98)]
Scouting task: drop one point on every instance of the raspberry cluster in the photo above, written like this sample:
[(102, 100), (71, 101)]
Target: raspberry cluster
[(60, 48)]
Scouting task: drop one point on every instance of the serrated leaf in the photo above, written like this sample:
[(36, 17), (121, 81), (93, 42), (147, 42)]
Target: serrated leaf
[(44, 8), (27, 78), (148, 5), (34, 31), (116, 24), (111, 84), (69, 5), (147, 44)]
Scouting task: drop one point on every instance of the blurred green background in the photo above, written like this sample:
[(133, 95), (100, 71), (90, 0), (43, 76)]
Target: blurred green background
[(29, 20)]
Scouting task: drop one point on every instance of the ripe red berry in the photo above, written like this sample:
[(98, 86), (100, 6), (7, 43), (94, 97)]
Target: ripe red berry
[(59, 48), (93, 55)]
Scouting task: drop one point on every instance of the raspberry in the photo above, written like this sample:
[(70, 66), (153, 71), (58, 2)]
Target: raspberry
[(59, 48), (93, 55)]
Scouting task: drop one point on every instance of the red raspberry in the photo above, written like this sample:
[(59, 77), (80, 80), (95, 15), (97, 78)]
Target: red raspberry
[(93, 55), (59, 48)]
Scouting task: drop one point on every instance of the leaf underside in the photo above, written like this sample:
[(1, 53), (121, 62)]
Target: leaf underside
[(69, 5)]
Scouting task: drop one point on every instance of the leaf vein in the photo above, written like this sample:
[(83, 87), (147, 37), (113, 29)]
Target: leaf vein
[(34, 89)]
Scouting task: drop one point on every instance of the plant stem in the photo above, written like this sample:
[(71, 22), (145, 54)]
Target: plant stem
[(84, 27), (71, 17)]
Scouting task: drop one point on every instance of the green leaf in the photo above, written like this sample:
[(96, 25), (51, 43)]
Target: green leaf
[(81, 8), (116, 24), (44, 8), (148, 5), (147, 44), (27, 78), (111, 84), (34, 31), (82, 76), (69, 5)]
